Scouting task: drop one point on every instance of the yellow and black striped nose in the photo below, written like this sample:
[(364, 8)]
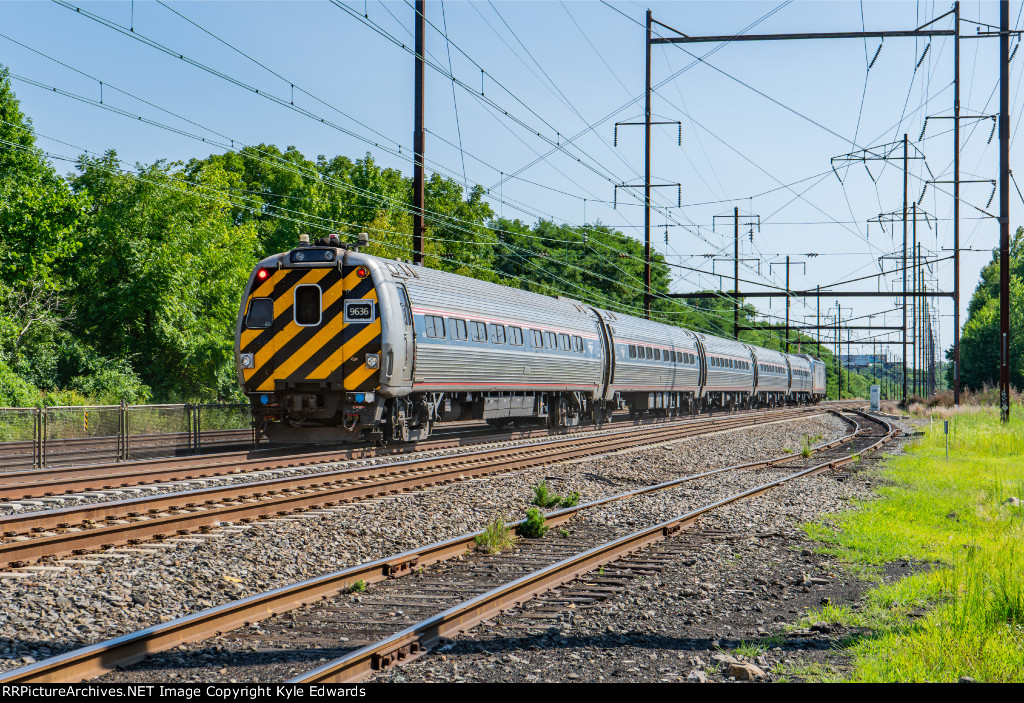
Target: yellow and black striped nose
[(333, 350)]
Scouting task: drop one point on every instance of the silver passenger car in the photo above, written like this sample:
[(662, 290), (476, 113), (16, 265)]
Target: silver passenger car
[(655, 366), (730, 372)]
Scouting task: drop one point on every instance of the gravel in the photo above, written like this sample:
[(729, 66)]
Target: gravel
[(54, 611), (167, 487), (734, 611)]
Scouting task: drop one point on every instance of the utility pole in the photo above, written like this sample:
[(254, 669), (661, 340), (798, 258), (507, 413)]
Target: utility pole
[(956, 204), (839, 362), (736, 274), (802, 263), (914, 305), (647, 177), (1004, 209), (787, 303), (418, 139), (817, 321), (904, 268)]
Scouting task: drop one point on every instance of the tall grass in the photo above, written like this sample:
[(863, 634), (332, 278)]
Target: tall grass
[(955, 515)]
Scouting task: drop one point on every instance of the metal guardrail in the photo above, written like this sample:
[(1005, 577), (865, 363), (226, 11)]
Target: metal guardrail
[(68, 435)]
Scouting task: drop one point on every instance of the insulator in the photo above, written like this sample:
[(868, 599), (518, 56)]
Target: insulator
[(923, 54), (679, 195), (923, 128), (875, 57), (993, 132), (615, 141), (990, 197), (681, 130), (921, 199), (1013, 53), (615, 200)]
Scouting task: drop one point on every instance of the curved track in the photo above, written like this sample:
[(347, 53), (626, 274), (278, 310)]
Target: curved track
[(413, 614)]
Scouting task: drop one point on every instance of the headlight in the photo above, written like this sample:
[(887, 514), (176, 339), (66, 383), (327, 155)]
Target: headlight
[(248, 361), (372, 361)]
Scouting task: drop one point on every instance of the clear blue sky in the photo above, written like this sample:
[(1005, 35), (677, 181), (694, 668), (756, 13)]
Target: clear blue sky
[(761, 121)]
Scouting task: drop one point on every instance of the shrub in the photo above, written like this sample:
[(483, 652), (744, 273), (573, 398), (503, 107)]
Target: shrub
[(535, 526), (544, 498)]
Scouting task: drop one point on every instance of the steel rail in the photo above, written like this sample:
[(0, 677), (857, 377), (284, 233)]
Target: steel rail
[(544, 451), (94, 660), (261, 499), (417, 639), (47, 519), (36, 483)]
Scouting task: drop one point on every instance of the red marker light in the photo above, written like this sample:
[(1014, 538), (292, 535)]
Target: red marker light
[(362, 272), (262, 275)]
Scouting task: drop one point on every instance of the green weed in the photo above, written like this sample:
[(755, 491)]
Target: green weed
[(496, 537), (544, 498), (750, 650), (535, 526), (357, 587)]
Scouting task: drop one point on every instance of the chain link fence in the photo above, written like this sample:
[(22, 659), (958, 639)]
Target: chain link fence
[(72, 435), (81, 434), (19, 438)]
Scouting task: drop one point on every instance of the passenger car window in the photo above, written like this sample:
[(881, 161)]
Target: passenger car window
[(433, 326), (457, 328), (261, 314), (307, 305), (551, 340), (538, 339), (498, 334), (577, 343), (657, 355), (479, 331), (632, 351), (563, 341)]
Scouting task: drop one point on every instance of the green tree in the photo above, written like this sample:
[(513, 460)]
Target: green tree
[(979, 341), (160, 274), (38, 213)]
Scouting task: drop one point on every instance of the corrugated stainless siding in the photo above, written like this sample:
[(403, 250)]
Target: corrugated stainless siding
[(804, 384), (769, 381), (726, 379), (648, 374), (449, 365)]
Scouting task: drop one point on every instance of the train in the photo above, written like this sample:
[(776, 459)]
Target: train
[(333, 344)]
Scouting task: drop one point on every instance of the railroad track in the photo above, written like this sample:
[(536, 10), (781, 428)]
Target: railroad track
[(443, 592), (67, 481), (30, 536), (21, 454)]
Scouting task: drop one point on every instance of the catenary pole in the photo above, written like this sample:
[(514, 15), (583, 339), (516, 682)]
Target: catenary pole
[(419, 139)]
